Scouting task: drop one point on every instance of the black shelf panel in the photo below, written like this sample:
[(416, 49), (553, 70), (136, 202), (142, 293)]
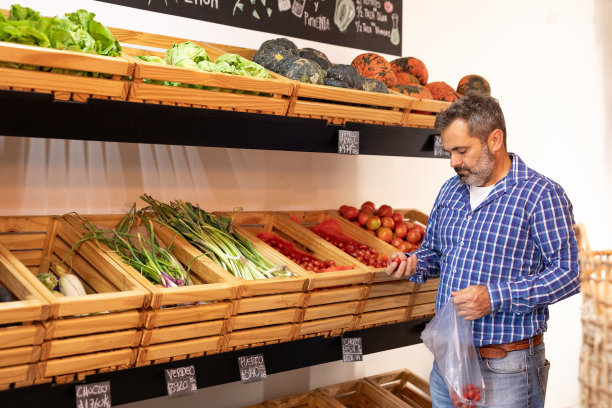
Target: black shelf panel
[(30, 114), (141, 383)]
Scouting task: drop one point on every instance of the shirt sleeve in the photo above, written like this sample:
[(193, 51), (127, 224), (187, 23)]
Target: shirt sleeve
[(551, 230), (428, 254)]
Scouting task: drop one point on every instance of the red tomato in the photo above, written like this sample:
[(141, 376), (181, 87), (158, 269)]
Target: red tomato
[(342, 209), (387, 222), (385, 211), (396, 241), (351, 213), (397, 217), (363, 217), (413, 236), (385, 234), (368, 204), (369, 231), (401, 230), (405, 247)]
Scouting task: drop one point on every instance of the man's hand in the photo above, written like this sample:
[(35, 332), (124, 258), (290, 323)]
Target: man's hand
[(472, 302), (403, 267)]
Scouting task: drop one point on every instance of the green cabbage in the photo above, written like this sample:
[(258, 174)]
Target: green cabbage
[(241, 66), (186, 55)]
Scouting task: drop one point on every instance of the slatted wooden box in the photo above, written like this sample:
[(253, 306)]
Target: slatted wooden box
[(177, 324), (83, 334), (21, 330), (362, 394), (265, 310), (332, 298), (311, 399), (387, 300), (406, 385), (64, 86), (232, 92)]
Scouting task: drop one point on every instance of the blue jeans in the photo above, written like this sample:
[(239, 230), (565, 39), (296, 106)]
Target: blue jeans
[(515, 381)]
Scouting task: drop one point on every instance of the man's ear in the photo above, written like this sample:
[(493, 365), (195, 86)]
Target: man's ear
[(495, 141)]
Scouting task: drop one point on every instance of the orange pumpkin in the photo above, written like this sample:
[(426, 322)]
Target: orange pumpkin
[(412, 66), (404, 78), (414, 90), (374, 66), (439, 89), (473, 83)]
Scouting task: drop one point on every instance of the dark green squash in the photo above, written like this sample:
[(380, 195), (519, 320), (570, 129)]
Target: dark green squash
[(272, 58), (347, 74), (374, 85), (304, 70), (336, 83), (280, 43), (316, 56)]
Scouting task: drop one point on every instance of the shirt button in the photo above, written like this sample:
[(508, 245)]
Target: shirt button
[(469, 217), (461, 243)]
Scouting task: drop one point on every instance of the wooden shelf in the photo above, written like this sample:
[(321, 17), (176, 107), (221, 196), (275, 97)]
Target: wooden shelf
[(31, 114), (148, 382)]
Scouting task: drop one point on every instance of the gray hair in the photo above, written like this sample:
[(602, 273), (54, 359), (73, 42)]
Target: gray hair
[(481, 112)]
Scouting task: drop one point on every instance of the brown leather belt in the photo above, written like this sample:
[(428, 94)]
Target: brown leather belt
[(500, 350)]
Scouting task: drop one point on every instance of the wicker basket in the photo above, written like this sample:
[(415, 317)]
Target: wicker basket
[(596, 353)]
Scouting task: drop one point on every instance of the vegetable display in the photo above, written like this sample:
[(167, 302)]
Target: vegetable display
[(77, 31), (216, 237), (374, 66), (138, 247), (329, 230), (61, 282), (386, 224), (305, 260)]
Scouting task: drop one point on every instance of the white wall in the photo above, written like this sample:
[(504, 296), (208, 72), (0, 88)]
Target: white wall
[(548, 63)]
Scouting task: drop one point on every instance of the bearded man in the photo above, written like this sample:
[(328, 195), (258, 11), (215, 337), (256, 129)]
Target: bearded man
[(500, 239)]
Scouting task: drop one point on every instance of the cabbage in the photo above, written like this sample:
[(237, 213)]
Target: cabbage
[(242, 66), (186, 55)]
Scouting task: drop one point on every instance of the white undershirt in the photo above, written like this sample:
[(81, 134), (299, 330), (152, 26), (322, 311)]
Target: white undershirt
[(478, 195)]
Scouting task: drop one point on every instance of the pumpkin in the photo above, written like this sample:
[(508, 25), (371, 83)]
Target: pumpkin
[(304, 70), (413, 66), (316, 56), (414, 90), (473, 83), (439, 89), (374, 66), (280, 43), (374, 85), (335, 82), (346, 74), (450, 96), (273, 58), (404, 78)]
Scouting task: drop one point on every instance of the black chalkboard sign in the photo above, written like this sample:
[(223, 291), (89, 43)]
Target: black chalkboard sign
[(348, 141), (181, 381), (372, 25), (351, 349), (95, 395), (252, 368)]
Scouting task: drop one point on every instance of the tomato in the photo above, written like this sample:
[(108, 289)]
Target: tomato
[(369, 231), (385, 211), (405, 247), (342, 209), (396, 241), (387, 222), (413, 236), (397, 217), (385, 234), (363, 217), (401, 230), (370, 205), (373, 223), (351, 213), (420, 228)]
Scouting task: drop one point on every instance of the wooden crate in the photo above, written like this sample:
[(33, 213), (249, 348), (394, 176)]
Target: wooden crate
[(177, 325), (258, 95), (310, 399), (409, 387), (332, 298), (362, 394), (387, 299), (83, 334), (21, 330), (64, 86)]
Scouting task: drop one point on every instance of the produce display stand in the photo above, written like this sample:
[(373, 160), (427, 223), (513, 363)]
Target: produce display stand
[(311, 399), (180, 322), (332, 301), (362, 393), (21, 331), (404, 384), (83, 334), (386, 300), (256, 95)]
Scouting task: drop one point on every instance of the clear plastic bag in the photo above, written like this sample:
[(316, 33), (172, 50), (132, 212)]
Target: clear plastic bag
[(450, 339)]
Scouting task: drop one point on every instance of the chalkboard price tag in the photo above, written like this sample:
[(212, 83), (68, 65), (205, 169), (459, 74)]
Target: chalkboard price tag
[(252, 368), (351, 349), (348, 141), (439, 148), (94, 395), (181, 381)]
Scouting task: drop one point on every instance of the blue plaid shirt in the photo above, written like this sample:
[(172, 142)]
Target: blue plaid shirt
[(518, 242)]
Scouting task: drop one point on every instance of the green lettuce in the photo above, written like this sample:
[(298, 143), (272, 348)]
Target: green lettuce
[(242, 66), (186, 55)]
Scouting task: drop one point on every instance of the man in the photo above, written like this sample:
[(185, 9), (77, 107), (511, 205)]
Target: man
[(500, 238)]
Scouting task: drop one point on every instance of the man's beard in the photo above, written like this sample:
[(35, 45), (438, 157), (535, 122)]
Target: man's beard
[(481, 172)]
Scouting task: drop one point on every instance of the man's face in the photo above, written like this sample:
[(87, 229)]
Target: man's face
[(470, 158)]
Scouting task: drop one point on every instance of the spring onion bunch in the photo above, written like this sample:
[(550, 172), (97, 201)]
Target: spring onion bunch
[(216, 237), (141, 251)]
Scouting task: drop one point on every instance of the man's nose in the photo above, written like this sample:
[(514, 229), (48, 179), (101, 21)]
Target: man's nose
[(454, 161)]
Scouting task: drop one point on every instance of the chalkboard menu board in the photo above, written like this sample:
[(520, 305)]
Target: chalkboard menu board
[(95, 395), (351, 349), (252, 368), (372, 25), (181, 381)]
